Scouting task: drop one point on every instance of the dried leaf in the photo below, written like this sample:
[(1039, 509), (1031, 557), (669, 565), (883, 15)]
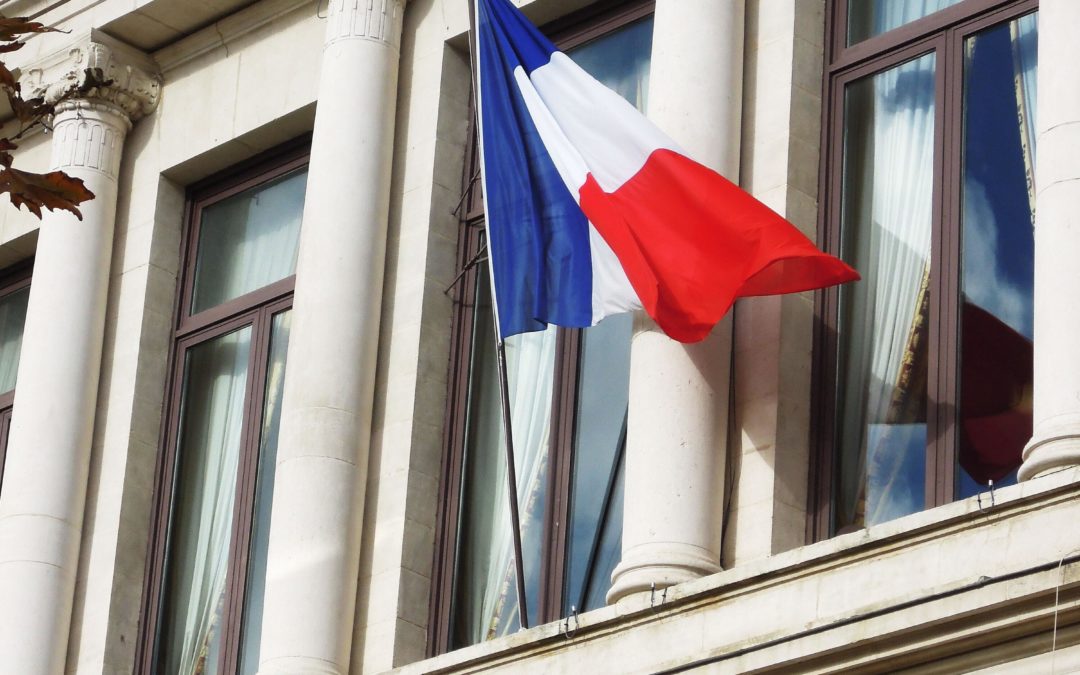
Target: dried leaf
[(7, 78), (11, 47), (11, 29), (54, 190), (28, 111), (6, 146), (93, 78)]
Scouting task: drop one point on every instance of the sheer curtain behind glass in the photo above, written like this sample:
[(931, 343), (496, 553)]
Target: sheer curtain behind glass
[(886, 226), (12, 320), (248, 241), (867, 18), (208, 452), (485, 591)]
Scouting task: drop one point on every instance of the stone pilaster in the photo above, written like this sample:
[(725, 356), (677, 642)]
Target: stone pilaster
[(677, 424), (314, 553), (1055, 443), (45, 478)]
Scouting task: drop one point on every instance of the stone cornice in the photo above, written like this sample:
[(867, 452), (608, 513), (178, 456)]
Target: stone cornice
[(226, 30), (105, 68)]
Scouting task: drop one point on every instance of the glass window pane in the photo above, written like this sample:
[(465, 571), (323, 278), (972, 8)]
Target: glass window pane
[(867, 18), (207, 455), (620, 60), (248, 241), (602, 398), (886, 225), (264, 492), (609, 545), (12, 320), (998, 252), (485, 592)]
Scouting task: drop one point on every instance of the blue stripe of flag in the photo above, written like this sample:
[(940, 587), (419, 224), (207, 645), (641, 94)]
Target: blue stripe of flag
[(539, 238)]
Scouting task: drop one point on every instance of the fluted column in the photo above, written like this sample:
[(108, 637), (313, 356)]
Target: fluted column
[(314, 553), (1055, 443), (677, 424), (45, 480)]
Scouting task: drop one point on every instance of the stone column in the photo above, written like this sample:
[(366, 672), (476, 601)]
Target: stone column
[(677, 425), (314, 553), (1055, 443), (45, 480)]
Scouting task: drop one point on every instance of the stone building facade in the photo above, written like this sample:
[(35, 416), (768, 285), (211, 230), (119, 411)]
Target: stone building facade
[(247, 421)]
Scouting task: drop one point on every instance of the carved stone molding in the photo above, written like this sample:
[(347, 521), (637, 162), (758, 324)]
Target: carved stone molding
[(104, 68), (377, 20)]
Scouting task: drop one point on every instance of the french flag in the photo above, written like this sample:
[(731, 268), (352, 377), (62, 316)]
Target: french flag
[(591, 210)]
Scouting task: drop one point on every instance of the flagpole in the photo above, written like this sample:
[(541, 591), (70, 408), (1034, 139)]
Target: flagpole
[(511, 473), (504, 383)]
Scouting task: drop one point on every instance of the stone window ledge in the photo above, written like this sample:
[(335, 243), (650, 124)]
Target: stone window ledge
[(940, 584)]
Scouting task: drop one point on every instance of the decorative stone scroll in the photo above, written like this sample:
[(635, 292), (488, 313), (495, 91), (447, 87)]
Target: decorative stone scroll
[(102, 69)]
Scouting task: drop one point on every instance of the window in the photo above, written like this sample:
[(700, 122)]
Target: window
[(925, 366), (14, 295), (216, 478), (568, 391)]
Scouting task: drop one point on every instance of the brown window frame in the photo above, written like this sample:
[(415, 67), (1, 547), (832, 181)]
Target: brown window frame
[(942, 33), (576, 29), (255, 309), (14, 279)]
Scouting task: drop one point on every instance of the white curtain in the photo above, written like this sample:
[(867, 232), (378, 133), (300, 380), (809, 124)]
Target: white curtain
[(248, 241), (485, 590), (486, 587), (207, 459), (887, 224), (12, 320), (890, 14), (530, 358), (1023, 33)]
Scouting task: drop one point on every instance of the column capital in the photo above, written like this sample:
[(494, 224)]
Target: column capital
[(103, 68)]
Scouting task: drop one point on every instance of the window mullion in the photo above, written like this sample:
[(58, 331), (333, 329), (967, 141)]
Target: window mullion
[(5, 427), (824, 460), (557, 515), (945, 296), (470, 241)]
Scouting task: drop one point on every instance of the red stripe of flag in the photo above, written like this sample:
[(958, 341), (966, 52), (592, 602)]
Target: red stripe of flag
[(692, 242)]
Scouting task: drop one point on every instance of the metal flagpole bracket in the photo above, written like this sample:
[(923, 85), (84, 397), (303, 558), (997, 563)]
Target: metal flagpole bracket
[(481, 256), (979, 500), (653, 604), (466, 193), (568, 632)]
